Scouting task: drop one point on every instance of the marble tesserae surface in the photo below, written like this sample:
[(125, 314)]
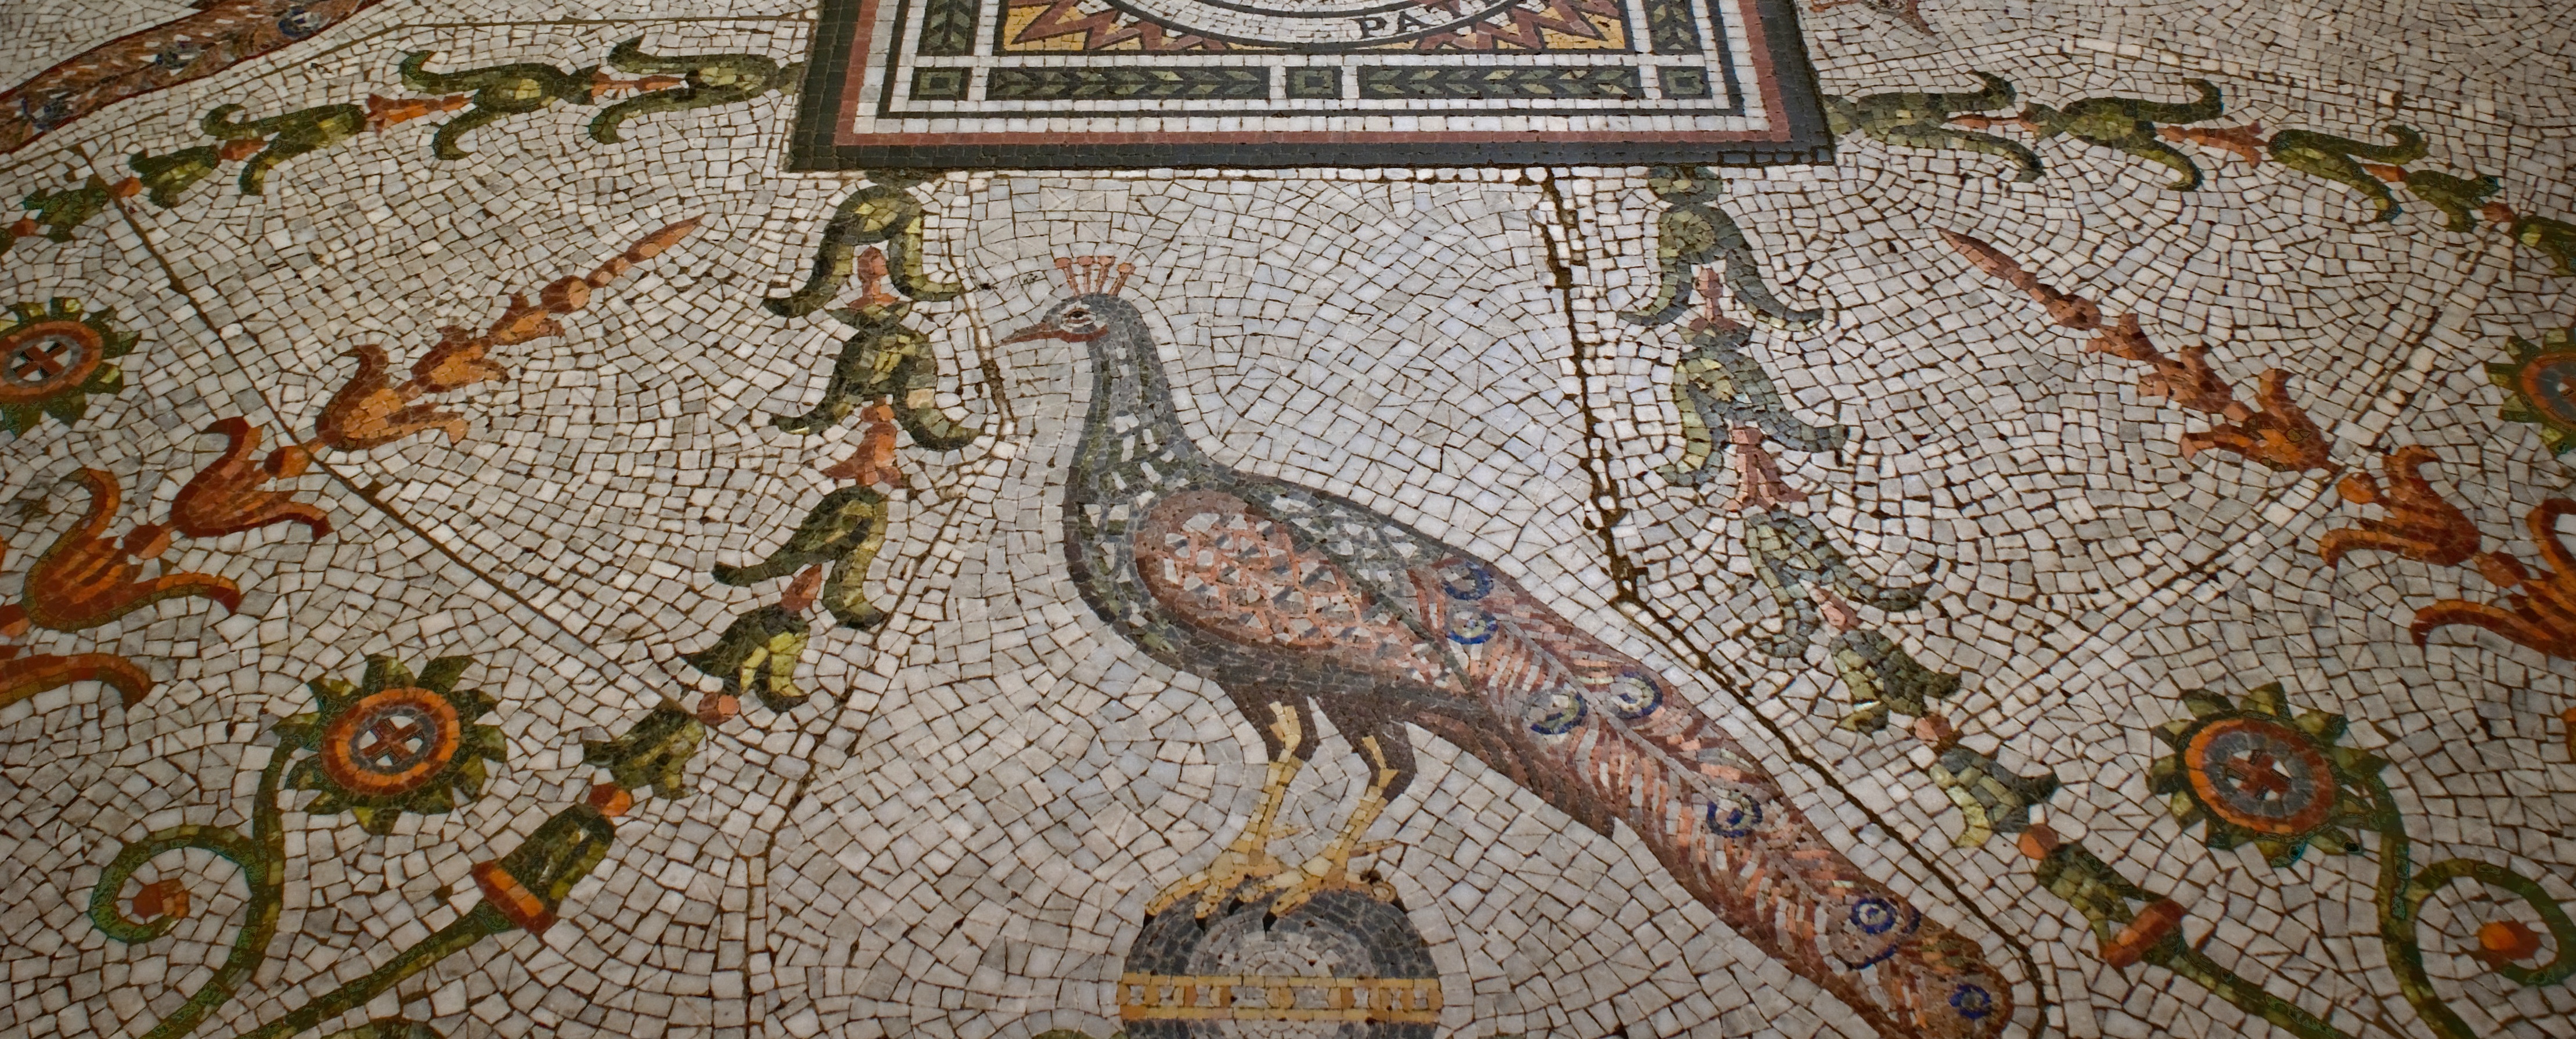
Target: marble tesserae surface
[(1288, 518)]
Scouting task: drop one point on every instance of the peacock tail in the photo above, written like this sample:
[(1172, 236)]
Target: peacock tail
[(1612, 734)]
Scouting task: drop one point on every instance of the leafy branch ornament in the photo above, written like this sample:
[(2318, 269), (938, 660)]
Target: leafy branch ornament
[(2253, 772)]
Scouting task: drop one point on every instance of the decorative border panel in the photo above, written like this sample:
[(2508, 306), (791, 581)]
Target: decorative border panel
[(1163, 83)]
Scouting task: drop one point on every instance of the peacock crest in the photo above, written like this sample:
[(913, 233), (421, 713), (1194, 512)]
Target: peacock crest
[(1094, 275)]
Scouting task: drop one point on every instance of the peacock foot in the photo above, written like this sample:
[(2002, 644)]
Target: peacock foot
[(1244, 862), (1329, 870)]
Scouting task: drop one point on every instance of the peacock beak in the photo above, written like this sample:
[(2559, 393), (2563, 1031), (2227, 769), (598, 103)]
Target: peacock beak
[(1041, 330)]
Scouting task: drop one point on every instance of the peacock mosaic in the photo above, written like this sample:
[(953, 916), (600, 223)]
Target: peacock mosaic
[(515, 526)]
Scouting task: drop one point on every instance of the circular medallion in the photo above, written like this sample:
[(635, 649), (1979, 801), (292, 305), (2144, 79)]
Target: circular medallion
[(2549, 383), (1875, 916), (390, 742), (1469, 625), (1734, 813), (2260, 775), (1869, 929), (1465, 579), (1972, 1001), (1633, 695), (397, 744), (1343, 966), (1315, 25), (1555, 712), (45, 358)]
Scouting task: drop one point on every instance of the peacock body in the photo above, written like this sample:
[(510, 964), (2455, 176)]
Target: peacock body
[(1293, 600)]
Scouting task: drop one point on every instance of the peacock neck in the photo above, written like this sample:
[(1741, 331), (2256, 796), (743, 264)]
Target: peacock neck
[(1133, 456), (1132, 422)]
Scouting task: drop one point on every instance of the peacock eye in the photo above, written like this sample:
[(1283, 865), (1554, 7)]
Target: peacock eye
[(1078, 319)]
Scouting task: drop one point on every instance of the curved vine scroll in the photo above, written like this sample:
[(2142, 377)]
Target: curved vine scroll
[(261, 857)]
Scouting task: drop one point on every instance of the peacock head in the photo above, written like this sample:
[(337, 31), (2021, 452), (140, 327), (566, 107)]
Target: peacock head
[(1090, 309)]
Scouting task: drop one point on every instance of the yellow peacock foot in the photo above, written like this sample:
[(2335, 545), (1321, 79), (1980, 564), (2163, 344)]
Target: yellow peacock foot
[(1245, 862), (1329, 870)]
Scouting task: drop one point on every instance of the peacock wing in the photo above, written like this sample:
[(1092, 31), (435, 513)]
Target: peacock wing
[(1229, 569)]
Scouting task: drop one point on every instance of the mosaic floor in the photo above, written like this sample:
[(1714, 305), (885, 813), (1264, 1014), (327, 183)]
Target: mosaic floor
[(1714, 518)]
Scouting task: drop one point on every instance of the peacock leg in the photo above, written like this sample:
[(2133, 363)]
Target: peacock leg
[(1392, 754), (2513, 626), (1248, 858)]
